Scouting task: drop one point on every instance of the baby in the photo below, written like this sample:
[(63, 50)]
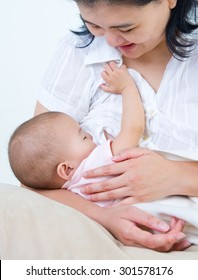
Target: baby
[(52, 151)]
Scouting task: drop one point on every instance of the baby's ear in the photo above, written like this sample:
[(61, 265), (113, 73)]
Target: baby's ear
[(64, 170)]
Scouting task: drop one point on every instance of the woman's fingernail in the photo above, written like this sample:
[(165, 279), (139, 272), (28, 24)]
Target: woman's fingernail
[(180, 236), (187, 244), (163, 226)]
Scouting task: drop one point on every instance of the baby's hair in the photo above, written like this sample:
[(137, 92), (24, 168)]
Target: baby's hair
[(31, 147), (181, 24)]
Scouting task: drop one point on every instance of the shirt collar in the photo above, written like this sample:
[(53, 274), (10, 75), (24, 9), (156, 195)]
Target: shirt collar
[(101, 52)]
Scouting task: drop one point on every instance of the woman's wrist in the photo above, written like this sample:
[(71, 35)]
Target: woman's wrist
[(186, 173)]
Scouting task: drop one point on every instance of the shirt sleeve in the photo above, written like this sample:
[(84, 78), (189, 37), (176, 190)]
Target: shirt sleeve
[(67, 84)]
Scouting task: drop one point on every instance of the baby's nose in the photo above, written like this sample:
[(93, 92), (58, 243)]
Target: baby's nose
[(89, 136)]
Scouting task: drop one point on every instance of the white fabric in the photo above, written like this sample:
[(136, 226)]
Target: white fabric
[(71, 85)]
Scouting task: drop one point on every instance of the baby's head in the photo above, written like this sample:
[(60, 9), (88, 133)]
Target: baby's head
[(45, 151)]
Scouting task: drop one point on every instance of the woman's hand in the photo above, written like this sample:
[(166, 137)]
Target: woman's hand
[(140, 175), (126, 224)]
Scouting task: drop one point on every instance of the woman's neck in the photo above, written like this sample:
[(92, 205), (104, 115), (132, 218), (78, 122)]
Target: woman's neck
[(151, 65)]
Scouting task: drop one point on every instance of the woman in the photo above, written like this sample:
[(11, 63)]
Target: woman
[(151, 38)]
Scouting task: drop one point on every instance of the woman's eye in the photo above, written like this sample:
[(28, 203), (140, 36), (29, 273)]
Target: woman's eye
[(85, 137), (127, 31), (90, 25), (95, 26)]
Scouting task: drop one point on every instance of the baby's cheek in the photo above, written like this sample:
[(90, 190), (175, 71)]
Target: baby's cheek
[(90, 148)]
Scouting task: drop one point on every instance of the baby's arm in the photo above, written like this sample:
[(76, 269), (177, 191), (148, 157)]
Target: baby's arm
[(118, 80)]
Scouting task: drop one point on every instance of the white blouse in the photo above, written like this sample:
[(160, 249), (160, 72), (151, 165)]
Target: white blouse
[(72, 85)]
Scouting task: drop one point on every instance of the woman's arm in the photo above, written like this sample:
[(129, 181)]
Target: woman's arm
[(142, 181), (124, 222)]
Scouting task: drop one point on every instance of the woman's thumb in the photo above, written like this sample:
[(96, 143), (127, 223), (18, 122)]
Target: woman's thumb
[(130, 154)]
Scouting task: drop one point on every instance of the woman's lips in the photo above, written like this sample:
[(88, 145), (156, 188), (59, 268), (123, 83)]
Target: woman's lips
[(126, 47)]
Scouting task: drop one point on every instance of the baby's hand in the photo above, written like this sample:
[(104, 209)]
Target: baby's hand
[(117, 79)]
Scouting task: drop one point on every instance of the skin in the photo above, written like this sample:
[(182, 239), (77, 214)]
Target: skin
[(147, 39)]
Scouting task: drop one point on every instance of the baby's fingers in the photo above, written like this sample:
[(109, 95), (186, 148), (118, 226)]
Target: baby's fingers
[(113, 65), (105, 76), (105, 87), (109, 68)]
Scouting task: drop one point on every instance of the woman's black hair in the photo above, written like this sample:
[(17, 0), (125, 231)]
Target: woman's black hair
[(181, 24)]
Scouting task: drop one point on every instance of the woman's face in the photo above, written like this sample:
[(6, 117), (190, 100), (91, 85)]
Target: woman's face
[(133, 30)]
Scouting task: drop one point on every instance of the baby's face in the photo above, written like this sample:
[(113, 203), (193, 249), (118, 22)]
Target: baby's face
[(78, 144)]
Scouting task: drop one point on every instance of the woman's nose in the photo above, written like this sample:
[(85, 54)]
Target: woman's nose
[(114, 40)]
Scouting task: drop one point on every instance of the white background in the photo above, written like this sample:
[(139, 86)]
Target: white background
[(29, 33)]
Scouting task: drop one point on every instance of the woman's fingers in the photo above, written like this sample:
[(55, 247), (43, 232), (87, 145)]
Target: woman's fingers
[(127, 200), (180, 246), (165, 242), (144, 181), (122, 163), (130, 154), (133, 235), (106, 170), (134, 227), (112, 195), (174, 237), (176, 225), (105, 185), (141, 217)]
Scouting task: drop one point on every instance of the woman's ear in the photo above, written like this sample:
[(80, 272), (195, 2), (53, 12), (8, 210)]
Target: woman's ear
[(172, 4), (64, 170)]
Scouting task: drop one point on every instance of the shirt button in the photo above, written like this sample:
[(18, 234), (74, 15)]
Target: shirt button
[(145, 137), (153, 112)]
